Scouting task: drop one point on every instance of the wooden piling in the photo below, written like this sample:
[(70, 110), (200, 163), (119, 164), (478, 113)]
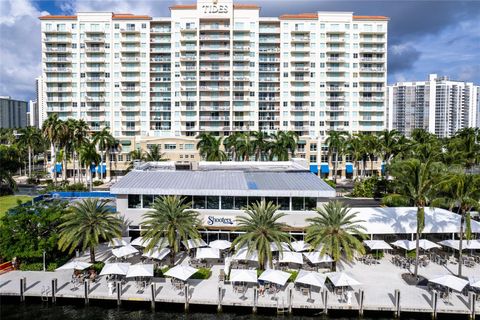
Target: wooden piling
[(290, 298), (220, 296), (434, 304), (361, 298), (54, 290), (255, 299), (397, 303), (119, 293), (325, 301), (86, 290), (186, 288), (152, 299), (472, 297), (22, 289)]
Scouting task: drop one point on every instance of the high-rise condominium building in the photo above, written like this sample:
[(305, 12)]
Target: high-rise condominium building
[(13, 113), (217, 67), (439, 105)]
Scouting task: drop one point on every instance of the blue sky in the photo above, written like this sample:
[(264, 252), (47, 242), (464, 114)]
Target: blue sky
[(425, 36)]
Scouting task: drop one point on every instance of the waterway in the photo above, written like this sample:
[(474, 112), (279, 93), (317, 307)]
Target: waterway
[(11, 310)]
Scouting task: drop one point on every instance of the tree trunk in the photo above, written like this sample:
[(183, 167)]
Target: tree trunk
[(74, 167), (54, 162), (92, 254), (460, 246), (107, 170), (417, 249), (172, 258), (335, 168), (64, 171), (29, 161)]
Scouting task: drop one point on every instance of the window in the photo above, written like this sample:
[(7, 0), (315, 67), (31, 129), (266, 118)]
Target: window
[(147, 200), (134, 201), (271, 199), (310, 203), (240, 202), (213, 202), (117, 26), (284, 203), (170, 146), (144, 25), (297, 203), (199, 202), (252, 200), (313, 147), (227, 202)]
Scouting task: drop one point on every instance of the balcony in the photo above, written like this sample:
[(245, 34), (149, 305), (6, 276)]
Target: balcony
[(93, 39), (372, 69), (335, 98), (225, 27), (268, 79), (269, 89), (372, 59), (129, 30), (371, 89), (214, 98), (214, 118), (213, 78), (188, 98), (269, 99), (130, 89), (95, 98), (372, 49), (57, 40), (161, 40), (130, 40), (161, 59), (188, 58), (58, 70), (130, 108), (299, 109), (57, 31), (129, 49), (130, 59), (211, 48), (58, 59), (59, 99), (214, 109), (160, 30), (241, 48), (58, 49), (58, 89), (160, 89), (214, 88), (95, 89), (335, 59), (58, 79), (372, 99), (160, 79), (95, 79), (160, 99), (214, 37), (160, 49), (94, 49), (130, 79), (95, 69)]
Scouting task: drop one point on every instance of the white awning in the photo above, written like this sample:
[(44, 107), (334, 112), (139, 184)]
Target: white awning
[(377, 245), (243, 254), (404, 244), (140, 270), (283, 245), (466, 244), (220, 244), (118, 242), (156, 253), (75, 265), (275, 276), (243, 275), (311, 278), (124, 251), (316, 257), (300, 246), (427, 244), (342, 279), (474, 281), (139, 242), (411, 245), (208, 253), (194, 243), (450, 281), (115, 268), (290, 257), (181, 272)]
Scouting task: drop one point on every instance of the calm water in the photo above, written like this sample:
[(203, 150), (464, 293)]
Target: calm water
[(14, 311)]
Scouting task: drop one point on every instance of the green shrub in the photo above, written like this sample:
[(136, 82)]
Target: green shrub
[(159, 272), (35, 266), (395, 202), (377, 255), (97, 183), (52, 266), (373, 187), (330, 183), (98, 266), (411, 254), (293, 276), (202, 273)]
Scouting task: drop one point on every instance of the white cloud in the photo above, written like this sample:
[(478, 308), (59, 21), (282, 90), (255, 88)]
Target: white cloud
[(20, 53)]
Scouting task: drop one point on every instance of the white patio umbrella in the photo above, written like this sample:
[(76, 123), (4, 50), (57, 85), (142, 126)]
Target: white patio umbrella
[(426, 244), (283, 245), (474, 281), (377, 245), (208, 253), (75, 265), (181, 272), (275, 276), (118, 242), (342, 279), (316, 257), (243, 254), (404, 244), (450, 281), (311, 278), (140, 270), (466, 244), (220, 244), (194, 243), (290, 257), (243, 275), (124, 251), (156, 253), (115, 268), (300, 246)]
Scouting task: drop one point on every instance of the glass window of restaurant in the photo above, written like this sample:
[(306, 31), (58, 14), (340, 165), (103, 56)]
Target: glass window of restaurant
[(134, 201)]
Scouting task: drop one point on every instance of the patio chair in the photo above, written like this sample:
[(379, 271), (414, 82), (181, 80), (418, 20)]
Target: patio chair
[(241, 289), (305, 291)]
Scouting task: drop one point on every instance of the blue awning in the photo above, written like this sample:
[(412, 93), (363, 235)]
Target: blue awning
[(58, 168), (102, 168), (324, 168), (383, 168), (314, 168), (349, 168), (92, 168)]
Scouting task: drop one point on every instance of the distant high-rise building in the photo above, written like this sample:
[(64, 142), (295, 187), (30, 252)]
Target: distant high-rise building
[(439, 105), (41, 106), (13, 113)]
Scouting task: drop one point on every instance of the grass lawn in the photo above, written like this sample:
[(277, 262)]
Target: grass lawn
[(7, 202)]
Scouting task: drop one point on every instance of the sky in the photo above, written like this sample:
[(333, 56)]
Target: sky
[(434, 36)]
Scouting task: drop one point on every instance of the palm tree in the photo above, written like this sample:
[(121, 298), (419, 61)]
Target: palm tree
[(88, 223), (283, 145), (469, 146), (154, 154), (336, 230), (52, 130), (116, 148), (136, 156), (88, 156), (104, 140), (336, 142), (79, 136), (172, 219), (355, 149), (388, 146), (29, 138), (261, 228), (245, 146), (211, 147), (230, 144), (462, 191), (260, 144), (415, 184)]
